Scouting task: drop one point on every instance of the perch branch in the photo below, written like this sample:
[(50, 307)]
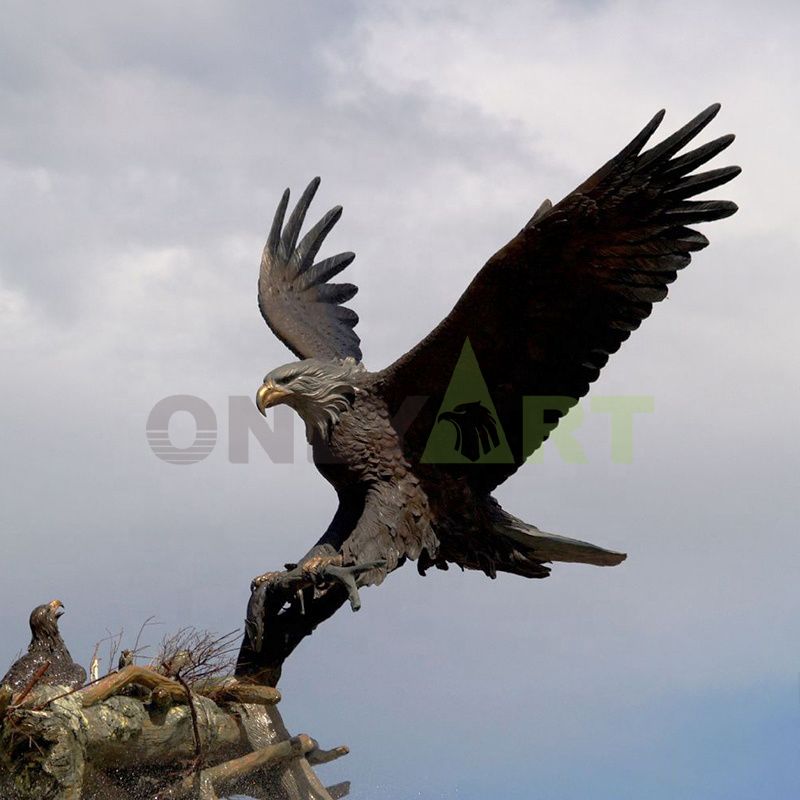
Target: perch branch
[(143, 676), (251, 693)]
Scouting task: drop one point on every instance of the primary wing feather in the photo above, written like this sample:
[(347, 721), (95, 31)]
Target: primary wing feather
[(301, 308), (547, 310)]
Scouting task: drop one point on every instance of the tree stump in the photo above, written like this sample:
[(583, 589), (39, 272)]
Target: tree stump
[(137, 735)]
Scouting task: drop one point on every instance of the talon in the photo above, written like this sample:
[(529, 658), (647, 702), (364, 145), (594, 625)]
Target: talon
[(347, 577), (267, 577), (315, 566), (314, 571)]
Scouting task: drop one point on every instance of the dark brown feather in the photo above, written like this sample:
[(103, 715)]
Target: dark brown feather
[(301, 309), (547, 309)]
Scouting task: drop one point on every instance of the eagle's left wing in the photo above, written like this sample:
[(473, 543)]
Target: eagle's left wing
[(302, 309), (545, 312)]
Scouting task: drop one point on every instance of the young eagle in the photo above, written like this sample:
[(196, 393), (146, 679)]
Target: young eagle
[(46, 646), (540, 319)]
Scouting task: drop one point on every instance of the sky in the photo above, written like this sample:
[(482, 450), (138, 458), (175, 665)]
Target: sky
[(143, 149)]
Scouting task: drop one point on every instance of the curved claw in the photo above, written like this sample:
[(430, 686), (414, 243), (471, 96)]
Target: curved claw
[(347, 577), (315, 571)]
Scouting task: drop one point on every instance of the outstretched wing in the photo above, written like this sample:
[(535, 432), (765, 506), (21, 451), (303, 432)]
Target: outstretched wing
[(546, 311), (303, 310)]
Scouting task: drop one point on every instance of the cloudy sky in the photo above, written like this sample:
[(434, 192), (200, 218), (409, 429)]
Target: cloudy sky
[(143, 149)]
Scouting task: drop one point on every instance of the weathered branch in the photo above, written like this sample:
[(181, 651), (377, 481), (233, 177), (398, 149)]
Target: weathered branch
[(326, 756), (141, 676), (287, 618), (99, 746), (229, 772), (286, 606), (139, 734), (251, 693), (298, 781), (230, 691)]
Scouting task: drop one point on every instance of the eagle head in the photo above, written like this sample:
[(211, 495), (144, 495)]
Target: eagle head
[(44, 619), (319, 391)]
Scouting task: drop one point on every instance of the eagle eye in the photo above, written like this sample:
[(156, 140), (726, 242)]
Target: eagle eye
[(283, 380)]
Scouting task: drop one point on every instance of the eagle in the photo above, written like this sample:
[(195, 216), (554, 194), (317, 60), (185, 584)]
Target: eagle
[(46, 647), (538, 321)]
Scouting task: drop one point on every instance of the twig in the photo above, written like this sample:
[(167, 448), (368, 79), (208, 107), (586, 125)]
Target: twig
[(198, 745), (198, 654), (114, 640), (114, 643), (149, 621), (95, 651), (37, 676), (67, 694)]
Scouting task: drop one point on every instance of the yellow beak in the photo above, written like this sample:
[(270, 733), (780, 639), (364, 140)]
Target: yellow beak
[(269, 395)]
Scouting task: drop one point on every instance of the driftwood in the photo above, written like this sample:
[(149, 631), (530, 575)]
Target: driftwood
[(150, 679), (230, 772), (135, 735)]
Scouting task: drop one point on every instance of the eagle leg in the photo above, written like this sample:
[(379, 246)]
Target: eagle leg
[(287, 606), (314, 571)]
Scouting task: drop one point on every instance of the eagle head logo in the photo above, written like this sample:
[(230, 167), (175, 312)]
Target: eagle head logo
[(476, 429)]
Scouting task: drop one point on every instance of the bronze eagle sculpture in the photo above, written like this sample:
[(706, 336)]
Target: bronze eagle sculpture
[(46, 648), (540, 320)]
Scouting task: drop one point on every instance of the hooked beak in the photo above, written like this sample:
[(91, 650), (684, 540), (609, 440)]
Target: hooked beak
[(57, 606), (269, 395)]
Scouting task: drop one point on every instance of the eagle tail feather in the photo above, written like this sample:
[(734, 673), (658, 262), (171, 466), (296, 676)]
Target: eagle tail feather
[(545, 547)]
